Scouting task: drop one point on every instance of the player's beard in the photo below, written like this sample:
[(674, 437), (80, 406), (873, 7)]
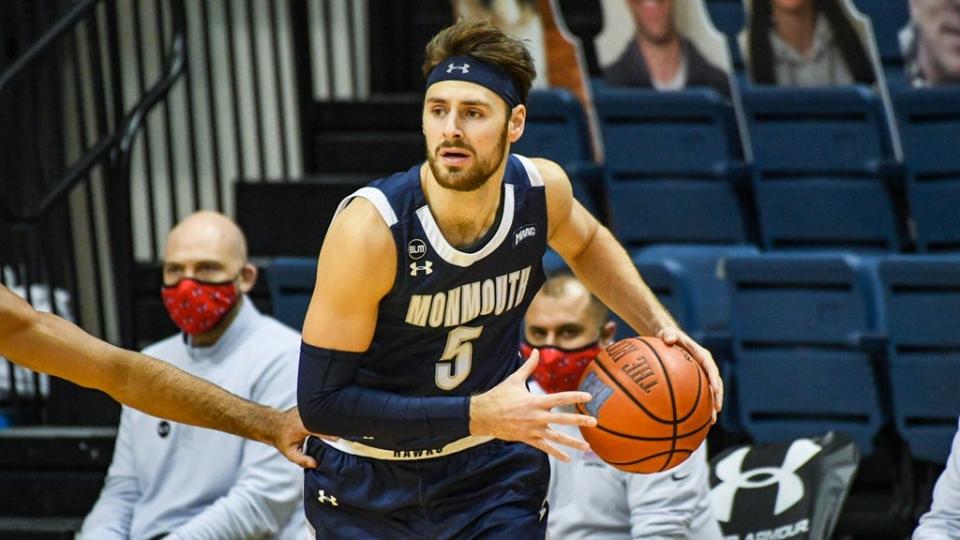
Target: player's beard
[(472, 177)]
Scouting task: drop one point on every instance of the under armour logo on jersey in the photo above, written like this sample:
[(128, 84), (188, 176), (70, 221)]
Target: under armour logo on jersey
[(426, 267), (789, 486), (464, 69), (323, 498)]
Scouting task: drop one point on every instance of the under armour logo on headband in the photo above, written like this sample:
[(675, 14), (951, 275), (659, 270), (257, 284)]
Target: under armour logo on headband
[(471, 69)]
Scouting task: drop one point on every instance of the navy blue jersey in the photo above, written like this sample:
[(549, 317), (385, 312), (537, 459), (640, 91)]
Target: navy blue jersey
[(451, 323)]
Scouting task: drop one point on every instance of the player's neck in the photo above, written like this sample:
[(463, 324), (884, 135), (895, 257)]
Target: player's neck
[(463, 216)]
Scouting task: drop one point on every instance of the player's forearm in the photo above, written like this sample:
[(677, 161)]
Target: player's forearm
[(331, 402), (605, 267), (160, 389), (60, 348)]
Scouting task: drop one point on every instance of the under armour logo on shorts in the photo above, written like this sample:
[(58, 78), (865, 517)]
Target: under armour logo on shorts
[(323, 498), (464, 69)]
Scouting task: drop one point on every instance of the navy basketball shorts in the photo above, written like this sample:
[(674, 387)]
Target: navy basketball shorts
[(493, 490)]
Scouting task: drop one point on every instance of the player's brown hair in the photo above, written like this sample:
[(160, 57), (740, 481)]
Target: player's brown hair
[(486, 42)]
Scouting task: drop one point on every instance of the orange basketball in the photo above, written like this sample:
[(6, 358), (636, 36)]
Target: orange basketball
[(652, 403)]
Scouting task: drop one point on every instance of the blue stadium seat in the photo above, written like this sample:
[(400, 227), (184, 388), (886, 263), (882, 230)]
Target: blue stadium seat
[(729, 17), (671, 284), (291, 281), (556, 129), (679, 192), (709, 312), (922, 297), (672, 167), (702, 269), (888, 17), (929, 122), (823, 173), (805, 336)]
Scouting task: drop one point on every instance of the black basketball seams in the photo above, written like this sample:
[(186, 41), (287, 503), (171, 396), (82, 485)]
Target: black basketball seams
[(670, 443), (673, 397), (706, 425), (654, 456)]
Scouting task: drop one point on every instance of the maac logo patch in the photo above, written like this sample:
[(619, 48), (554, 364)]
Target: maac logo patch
[(521, 234)]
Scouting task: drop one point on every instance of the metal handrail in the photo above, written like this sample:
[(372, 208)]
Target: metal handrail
[(120, 140)]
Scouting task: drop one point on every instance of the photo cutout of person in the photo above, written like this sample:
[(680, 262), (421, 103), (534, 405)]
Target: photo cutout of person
[(662, 44), (808, 43), (517, 18), (931, 43)]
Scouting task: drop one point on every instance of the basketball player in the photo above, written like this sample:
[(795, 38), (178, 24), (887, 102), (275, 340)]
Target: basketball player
[(588, 498), (410, 348), (47, 343)]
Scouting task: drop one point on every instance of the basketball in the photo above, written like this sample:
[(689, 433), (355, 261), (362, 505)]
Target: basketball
[(652, 403)]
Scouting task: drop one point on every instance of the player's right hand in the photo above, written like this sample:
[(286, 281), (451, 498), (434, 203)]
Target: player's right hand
[(510, 412)]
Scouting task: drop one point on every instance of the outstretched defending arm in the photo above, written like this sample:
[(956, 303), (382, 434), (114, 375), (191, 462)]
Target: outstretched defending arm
[(601, 263), (47, 343)]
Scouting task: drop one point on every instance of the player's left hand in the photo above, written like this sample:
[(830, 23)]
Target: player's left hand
[(289, 435), (672, 335)]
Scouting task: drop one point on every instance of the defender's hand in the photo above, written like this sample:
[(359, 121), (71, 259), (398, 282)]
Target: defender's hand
[(674, 336), (510, 412), (288, 436)]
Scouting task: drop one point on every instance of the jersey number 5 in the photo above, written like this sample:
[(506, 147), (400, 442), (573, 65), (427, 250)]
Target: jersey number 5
[(454, 366)]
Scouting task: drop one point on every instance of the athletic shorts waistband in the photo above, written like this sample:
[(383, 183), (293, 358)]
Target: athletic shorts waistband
[(360, 449)]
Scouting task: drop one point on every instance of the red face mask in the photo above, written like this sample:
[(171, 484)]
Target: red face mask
[(197, 307), (559, 370)]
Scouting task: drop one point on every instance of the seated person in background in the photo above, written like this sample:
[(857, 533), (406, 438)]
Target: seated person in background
[(931, 43), (805, 43), (181, 482), (943, 519), (588, 498), (659, 57)]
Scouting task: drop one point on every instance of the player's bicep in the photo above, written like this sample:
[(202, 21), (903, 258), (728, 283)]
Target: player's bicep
[(355, 270), (571, 226)]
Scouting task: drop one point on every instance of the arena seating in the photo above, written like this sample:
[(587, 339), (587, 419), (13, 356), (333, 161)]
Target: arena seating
[(922, 298), (805, 337), (888, 17), (556, 129), (929, 124), (673, 169), (824, 176)]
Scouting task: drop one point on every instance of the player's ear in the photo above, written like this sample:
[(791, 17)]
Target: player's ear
[(607, 332), (516, 123)]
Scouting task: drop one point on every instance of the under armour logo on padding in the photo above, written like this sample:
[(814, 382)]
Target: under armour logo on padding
[(323, 498), (789, 486), (426, 267), (465, 68)]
